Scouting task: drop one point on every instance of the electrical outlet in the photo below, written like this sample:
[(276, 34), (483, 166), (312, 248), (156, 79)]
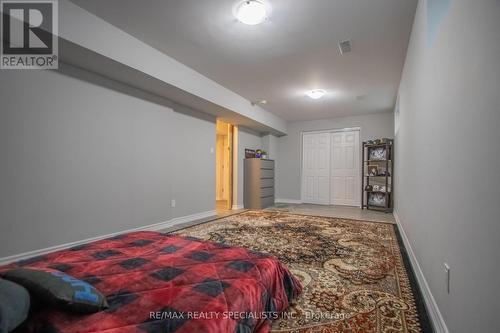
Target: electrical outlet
[(172, 203), (447, 276)]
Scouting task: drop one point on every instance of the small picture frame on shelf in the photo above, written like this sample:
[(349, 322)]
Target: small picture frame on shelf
[(372, 170), (376, 199), (377, 154)]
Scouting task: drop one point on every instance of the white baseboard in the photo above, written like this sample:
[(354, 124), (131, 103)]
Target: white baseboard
[(236, 207), (288, 201), (190, 218), (151, 227), (435, 316)]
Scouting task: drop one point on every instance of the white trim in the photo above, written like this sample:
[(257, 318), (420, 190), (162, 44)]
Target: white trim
[(436, 318), (236, 138), (288, 201), (185, 219), (335, 130), (151, 227)]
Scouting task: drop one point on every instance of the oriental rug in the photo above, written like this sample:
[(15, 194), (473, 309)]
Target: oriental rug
[(352, 271)]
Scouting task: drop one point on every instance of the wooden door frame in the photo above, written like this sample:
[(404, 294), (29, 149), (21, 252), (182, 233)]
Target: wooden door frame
[(230, 140), (226, 155)]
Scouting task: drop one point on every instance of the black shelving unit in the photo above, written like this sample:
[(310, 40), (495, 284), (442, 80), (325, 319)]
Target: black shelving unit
[(379, 153)]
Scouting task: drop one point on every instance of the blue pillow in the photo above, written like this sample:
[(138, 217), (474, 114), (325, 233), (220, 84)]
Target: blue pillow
[(14, 305), (59, 289)]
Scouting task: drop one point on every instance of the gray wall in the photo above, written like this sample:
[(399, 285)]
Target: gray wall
[(447, 161), (289, 148), (83, 156), (270, 145), (193, 176)]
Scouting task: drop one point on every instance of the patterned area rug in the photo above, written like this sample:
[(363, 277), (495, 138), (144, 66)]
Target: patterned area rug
[(352, 271)]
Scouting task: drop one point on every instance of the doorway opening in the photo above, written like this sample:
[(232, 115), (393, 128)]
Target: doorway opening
[(224, 166)]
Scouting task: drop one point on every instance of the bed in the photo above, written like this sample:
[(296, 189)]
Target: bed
[(167, 283)]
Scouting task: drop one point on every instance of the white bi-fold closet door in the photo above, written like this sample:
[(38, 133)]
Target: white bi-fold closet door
[(344, 169), (316, 168), (330, 168)]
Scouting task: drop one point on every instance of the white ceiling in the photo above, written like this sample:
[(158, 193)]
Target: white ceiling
[(293, 51)]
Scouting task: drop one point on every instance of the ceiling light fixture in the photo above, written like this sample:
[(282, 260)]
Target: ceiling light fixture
[(316, 93), (251, 12), (262, 101)]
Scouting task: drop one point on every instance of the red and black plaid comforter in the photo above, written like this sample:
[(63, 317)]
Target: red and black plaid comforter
[(167, 283)]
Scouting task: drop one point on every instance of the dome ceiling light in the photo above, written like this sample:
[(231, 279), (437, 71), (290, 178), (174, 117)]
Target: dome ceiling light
[(316, 93), (259, 102), (251, 12)]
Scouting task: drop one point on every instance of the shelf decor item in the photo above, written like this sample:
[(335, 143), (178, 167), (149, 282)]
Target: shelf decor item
[(384, 173), (379, 188), (249, 153), (377, 173), (377, 199), (372, 170), (377, 154)]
